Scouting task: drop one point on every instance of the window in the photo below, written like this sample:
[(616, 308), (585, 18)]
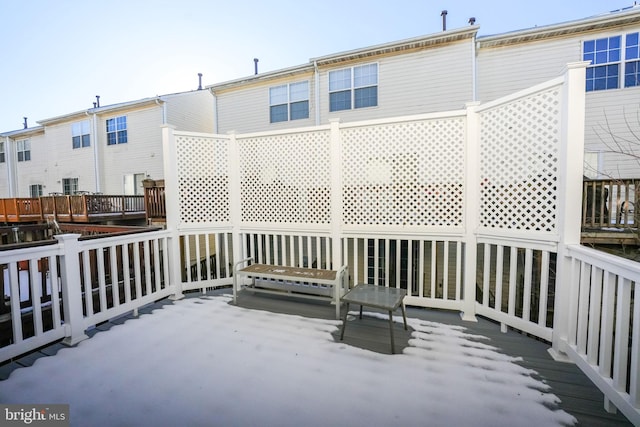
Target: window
[(357, 87), (69, 186), (615, 62), (2, 159), (24, 150), (632, 56), (289, 102), (35, 190), (80, 134), (117, 130)]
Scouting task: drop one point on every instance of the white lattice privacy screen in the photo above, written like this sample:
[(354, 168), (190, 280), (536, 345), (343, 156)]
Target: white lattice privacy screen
[(203, 179), (519, 161), (285, 179), (404, 174)]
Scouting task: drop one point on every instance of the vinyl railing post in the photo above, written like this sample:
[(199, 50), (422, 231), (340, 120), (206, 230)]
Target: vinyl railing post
[(471, 212), (71, 289), (570, 199), (173, 208)]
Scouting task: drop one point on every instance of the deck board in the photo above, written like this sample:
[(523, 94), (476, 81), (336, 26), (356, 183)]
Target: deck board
[(578, 395)]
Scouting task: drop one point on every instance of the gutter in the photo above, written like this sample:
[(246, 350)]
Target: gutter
[(317, 91)]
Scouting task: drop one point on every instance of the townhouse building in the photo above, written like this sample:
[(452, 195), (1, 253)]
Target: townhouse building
[(446, 70), (105, 149), (111, 149)]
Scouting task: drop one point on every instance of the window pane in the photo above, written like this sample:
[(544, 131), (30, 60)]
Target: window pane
[(340, 101), (86, 140), (278, 95), (121, 123), (111, 138), (340, 79), (122, 137), (589, 46), (300, 110), (602, 44), (299, 92), (614, 55), (278, 113), (111, 125), (632, 74), (366, 97), (76, 141), (366, 75), (589, 57)]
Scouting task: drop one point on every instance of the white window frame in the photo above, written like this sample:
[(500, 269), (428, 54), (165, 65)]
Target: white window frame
[(23, 150), (2, 153), (621, 62), (35, 190), (81, 134), (352, 85), (120, 130), (69, 186), (293, 97)]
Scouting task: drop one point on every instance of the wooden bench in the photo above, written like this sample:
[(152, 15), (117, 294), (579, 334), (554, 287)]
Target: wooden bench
[(301, 282)]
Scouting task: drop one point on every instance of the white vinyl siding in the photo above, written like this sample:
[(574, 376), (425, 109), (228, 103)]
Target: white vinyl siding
[(246, 109), (429, 80), (508, 69), (141, 154), (191, 111)]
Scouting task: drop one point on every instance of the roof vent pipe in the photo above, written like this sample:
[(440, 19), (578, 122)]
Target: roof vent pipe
[(199, 81), (98, 101), (25, 123), (472, 21), (444, 20), (95, 104), (255, 65)]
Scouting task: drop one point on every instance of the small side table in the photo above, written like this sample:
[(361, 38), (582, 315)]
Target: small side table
[(379, 297)]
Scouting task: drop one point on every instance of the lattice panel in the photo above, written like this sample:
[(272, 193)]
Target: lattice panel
[(286, 178), (519, 146), (203, 179), (405, 174)]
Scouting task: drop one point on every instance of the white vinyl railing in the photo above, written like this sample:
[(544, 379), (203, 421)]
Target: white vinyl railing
[(59, 290), (603, 335)]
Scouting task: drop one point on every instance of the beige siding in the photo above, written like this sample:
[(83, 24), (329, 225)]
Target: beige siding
[(505, 70), (435, 79), (612, 128), (192, 111), (246, 109), (52, 159), (141, 154)]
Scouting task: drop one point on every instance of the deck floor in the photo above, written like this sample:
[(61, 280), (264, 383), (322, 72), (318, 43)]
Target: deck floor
[(579, 396)]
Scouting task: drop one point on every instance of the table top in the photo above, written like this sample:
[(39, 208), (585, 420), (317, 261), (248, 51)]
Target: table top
[(285, 271), (375, 296)]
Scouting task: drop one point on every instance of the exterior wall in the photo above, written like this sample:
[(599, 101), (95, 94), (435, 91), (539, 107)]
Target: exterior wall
[(506, 69), (246, 109), (192, 111), (43, 168), (423, 81), (141, 154)]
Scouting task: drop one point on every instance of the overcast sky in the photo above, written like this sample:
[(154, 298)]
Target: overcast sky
[(56, 56)]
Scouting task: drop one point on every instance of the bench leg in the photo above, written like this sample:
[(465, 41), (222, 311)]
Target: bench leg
[(404, 316), (393, 346), (344, 322)]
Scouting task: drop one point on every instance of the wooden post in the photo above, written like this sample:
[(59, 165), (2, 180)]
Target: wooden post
[(71, 290)]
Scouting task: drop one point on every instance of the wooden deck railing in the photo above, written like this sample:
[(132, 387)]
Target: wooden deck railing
[(76, 208), (610, 203), (154, 201)]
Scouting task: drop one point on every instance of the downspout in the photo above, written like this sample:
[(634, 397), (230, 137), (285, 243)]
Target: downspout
[(11, 178), (316, 76), (164, 111), (96, 152), (474, 77), (215, 110)]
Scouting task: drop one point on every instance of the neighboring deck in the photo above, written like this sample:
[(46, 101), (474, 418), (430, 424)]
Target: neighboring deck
[(579, 396), (83, 208)]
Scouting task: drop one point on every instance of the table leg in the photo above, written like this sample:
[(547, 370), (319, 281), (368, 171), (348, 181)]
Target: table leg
[(393, 346), (344, 322)]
